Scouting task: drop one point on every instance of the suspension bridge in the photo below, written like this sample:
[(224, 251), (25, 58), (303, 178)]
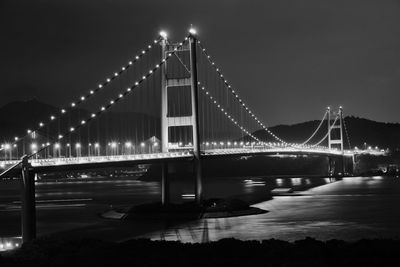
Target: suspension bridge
[(169, 102)]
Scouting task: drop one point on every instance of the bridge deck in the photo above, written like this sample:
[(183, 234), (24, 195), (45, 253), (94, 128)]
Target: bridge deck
[(78, 163)]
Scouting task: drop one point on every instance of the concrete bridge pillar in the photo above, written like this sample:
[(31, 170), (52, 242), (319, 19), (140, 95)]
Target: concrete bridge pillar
[(28, 215)]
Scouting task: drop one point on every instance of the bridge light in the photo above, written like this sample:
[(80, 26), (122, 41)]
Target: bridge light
[(41, 124), (128, 144), (72, 129), (7, 146), (163, 34), (33, 146), (52, 117), (113, 144), (108, 80), (155, 144), (192, 31), (96, 145), (82, 98), (142, 144), (78, 145), (16, 138), (63, 111), (57, 145), (60, 136), (72, 104), (91, 92)]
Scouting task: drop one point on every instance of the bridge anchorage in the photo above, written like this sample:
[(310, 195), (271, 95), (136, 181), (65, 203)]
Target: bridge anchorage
[(170, 103)]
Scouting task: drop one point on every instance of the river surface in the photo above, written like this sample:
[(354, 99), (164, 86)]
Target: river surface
[(349, 209)]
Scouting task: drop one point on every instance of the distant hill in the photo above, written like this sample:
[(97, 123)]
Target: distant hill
[(16, 117), (360, 130)]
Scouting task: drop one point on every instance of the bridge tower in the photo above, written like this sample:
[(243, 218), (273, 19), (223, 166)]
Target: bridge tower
[(335, 138), (335, 131), (179, 77)]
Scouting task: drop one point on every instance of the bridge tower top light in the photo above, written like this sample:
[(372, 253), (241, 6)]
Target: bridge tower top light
[(192, 31), (163, 34)]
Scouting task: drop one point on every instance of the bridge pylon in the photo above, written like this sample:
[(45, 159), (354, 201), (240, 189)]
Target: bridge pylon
[(335, 135), (173, 82), (335, 131)]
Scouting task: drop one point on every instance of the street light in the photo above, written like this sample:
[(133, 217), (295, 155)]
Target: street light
[(69, 150), (97, 148), (7, 147), (128, 146), (57, 150), (78, 149)]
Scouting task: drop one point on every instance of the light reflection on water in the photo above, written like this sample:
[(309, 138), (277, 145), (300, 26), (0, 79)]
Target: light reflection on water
[(350, 209), (9, 243)]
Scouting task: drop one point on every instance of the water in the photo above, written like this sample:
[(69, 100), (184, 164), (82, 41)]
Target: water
[(349, 209)]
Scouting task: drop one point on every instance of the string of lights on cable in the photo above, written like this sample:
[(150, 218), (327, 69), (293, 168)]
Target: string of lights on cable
[(236, 95), (120, 96), (93, 92), (244, 106), (223, 111)]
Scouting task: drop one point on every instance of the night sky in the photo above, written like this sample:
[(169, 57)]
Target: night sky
[(288, 59)]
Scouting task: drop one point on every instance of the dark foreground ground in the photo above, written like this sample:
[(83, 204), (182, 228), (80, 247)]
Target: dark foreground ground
[(227, 252)]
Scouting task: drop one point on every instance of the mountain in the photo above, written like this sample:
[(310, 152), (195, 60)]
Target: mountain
[(16, 117), (362, 132)]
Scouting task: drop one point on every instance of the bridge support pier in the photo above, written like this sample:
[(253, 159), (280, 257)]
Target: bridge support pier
[(28, 215), (354, 162), (343, 160), (164, 184), (331, 166)]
